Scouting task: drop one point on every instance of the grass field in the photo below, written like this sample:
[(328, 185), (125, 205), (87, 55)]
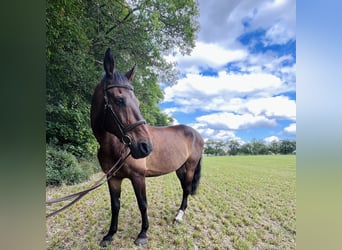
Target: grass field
[(243, 202)]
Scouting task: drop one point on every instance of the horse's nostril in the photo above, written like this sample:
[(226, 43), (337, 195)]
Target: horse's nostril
[(145, 148)]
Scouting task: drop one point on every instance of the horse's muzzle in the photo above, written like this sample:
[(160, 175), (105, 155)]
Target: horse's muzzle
[(141, 149)]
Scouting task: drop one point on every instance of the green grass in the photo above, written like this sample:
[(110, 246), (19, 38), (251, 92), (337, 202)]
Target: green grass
[(243, 202)]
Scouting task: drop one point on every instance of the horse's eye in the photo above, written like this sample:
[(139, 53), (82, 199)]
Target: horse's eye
[(119, 101)]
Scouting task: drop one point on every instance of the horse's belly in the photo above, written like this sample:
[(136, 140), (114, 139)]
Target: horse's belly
[(156, 166), (155, 172)]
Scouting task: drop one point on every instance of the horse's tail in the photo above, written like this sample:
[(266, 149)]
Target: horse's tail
[(196, 178)]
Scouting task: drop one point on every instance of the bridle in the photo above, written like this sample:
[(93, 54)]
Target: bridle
[(125, 139)]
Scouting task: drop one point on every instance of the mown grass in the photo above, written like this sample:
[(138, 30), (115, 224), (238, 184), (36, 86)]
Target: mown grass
[(243, 202)]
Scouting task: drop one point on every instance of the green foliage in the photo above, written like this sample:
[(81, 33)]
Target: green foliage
[(70, 76), (287, 147), (233, 147), (258, 148), (68, 128), (215, 147), (90, 167), (254, 147), (63, 167)]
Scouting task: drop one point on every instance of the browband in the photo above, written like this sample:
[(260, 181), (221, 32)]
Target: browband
[(114, 85)]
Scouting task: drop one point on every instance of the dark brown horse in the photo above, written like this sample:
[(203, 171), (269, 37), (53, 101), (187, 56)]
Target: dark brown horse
[(116, 121)]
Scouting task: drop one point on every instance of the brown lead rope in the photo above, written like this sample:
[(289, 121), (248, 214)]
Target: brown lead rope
[(80, 194)]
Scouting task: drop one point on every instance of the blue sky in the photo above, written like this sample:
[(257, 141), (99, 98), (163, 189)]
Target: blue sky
[(239, 83)]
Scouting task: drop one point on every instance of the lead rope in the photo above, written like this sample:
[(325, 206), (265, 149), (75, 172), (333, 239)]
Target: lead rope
[(110, 173)]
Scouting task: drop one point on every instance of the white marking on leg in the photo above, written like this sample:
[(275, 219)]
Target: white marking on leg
[(179, 216)]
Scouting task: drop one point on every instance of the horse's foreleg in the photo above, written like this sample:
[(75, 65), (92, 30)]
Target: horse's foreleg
[(115, 192), (140, 192)]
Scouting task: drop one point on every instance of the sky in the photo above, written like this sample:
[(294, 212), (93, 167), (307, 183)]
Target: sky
[(239, 82)]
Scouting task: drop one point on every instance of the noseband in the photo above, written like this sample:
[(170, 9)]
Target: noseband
[(125, 139)]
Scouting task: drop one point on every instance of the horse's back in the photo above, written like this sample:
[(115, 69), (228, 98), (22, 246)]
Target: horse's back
[(192, 136), (182, 133), (172, 147)]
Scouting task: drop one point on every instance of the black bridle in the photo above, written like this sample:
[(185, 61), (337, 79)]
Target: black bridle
[(125, 139)]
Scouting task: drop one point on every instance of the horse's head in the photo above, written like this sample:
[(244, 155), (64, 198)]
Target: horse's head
[(122, 116)]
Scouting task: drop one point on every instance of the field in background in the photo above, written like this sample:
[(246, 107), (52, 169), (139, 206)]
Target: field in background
[(243, 202)]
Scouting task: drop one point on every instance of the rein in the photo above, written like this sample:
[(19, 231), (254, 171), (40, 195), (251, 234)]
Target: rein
[(110, 173), (125, 139)]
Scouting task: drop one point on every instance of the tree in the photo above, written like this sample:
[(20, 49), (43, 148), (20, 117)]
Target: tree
[(219, 148), (139, 32), (273, 147), (287, 147), (258, 148), (69, 75), (209, 147), (233, 147), (255, 147), (212, 147), (246, 149)]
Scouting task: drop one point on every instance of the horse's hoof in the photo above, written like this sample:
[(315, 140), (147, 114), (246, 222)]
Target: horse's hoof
[(106, 242), (179, 217), (140, 241), (177, 221)]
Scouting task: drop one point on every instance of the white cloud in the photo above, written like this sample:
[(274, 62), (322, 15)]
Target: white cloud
[(228, 85), (223, 21), (205, 56), (291, 129), (225, 120), (250, 92), (210, 55), (228, 92), (214, 134), (271, 139), (277, 107), (215, 23), (282, 15), (278, 34), (239, 102), (265, 62)]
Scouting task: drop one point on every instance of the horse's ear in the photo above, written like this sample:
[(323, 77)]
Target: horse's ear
[(130, 74), (108, 63)]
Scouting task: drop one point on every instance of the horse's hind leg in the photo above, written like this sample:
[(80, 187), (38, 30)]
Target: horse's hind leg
[(185, 177), (115, 192), (189, 175)]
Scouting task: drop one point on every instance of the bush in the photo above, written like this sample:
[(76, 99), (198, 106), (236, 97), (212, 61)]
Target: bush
[(63, 167), (90, 167)]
